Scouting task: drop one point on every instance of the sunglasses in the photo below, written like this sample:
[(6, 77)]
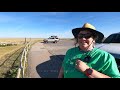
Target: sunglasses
[(84, 36)]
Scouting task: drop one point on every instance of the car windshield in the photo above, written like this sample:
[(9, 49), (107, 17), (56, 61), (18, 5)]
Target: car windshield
[(51, 38), (113, 38)]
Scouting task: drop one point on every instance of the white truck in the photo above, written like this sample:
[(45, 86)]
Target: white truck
[(112, 45), (52, 39)]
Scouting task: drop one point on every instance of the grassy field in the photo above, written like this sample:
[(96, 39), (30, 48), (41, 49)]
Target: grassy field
[(19, 41), (10, 54), (8, 49), (8, 68)]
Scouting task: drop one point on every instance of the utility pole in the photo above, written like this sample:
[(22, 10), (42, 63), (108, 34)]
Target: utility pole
[(25, 40)]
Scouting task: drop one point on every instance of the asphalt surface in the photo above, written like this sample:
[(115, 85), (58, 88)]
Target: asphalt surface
[(44, 60)]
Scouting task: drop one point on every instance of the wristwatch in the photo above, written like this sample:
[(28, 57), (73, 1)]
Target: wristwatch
[(88, 71)]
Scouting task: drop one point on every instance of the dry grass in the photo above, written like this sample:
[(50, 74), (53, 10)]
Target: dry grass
[(19, 40), (8, 69), (7, 51), (12, 39)]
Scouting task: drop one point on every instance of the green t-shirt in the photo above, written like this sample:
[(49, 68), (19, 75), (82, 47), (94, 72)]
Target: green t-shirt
[(100, 60)]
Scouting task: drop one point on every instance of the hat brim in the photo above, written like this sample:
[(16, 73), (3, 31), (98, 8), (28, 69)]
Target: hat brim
[(76, 31)]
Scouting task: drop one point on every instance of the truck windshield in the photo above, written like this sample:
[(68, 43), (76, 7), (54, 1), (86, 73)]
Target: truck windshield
[(51, 38), (113, 38)]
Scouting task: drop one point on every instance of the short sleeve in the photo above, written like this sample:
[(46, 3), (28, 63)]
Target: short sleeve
[(110, 66)]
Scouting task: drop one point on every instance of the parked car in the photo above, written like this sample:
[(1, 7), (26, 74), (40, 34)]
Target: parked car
[(112, 45), (53, 39)]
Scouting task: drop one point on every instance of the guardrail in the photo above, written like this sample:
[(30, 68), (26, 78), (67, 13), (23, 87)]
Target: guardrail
[(23, 62)]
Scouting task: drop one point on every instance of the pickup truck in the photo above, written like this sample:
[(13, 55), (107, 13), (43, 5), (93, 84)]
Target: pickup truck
[(112, 45), (53, 39)]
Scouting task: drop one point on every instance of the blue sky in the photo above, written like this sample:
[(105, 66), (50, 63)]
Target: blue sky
[(45, 24)]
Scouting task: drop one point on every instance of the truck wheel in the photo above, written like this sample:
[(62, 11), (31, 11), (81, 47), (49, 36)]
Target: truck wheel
[(46, 42), (55, 41)]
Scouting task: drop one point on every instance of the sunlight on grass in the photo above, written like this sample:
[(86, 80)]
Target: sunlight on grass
[(8, 49)]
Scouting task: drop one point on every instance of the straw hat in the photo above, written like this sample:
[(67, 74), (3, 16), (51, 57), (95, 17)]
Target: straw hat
[(88, 27)]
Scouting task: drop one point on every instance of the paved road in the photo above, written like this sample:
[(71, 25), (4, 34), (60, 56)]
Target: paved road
[(44, 60)]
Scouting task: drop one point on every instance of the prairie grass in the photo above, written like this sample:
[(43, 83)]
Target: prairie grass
[(8, 68), (8, 49), (19, 40), (12, 54)]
